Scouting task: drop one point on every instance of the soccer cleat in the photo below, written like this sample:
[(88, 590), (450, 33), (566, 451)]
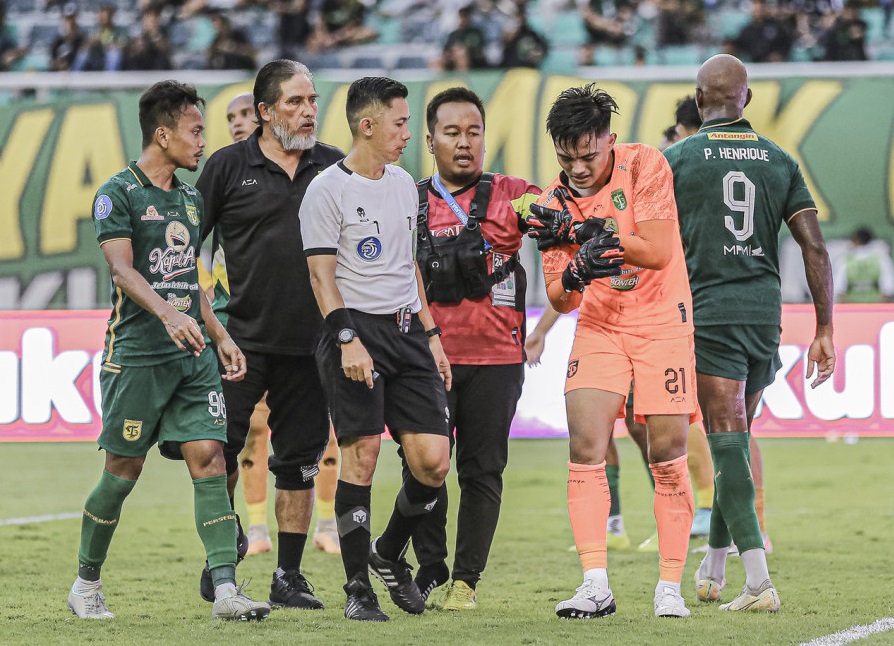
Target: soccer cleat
[(206, 585), (396, 576), (589, 601), (460, 596), (362, 603), (240, 607), (649, 545), (258, 540), (616, 538), (764, 599), (701, 522), (89, 603), (289, 589), (669, 603), (707, 589), (327, 541)]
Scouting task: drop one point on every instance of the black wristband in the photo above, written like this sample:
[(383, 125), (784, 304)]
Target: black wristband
[(435, 331), (338, 320)]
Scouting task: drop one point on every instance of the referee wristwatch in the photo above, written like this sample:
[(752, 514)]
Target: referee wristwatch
[(346, 335), (435, 331)]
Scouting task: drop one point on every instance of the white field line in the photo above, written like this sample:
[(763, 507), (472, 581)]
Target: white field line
[(853, 633), (28, 520)]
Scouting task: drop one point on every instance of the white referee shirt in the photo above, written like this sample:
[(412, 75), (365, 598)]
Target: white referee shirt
[(370, 224)]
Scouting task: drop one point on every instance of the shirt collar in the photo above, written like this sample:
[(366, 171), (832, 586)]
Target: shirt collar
[(741, 122), (144, 180)]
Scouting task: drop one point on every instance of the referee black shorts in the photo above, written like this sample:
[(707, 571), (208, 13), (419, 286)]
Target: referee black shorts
[(408, 394)]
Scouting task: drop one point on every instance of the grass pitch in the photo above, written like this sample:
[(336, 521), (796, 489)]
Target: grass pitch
[(830, 513)]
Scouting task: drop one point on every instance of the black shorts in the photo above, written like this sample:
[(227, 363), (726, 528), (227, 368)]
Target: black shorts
[(408, 394), (299, 418)]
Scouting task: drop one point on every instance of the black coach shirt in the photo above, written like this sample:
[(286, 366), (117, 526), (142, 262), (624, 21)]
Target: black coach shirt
[(254, 204)]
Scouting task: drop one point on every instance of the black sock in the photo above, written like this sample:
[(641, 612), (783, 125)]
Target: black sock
[(352, 518), (471, 584), (414, 500), (431, 576), (290, 550)]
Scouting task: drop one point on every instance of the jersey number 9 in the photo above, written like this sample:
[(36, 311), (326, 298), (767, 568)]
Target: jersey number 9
[(743, 205)]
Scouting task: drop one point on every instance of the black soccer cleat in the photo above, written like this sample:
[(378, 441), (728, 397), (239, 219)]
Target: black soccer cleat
[(362, 603), (396, 576), (289, 589), (206, 585)]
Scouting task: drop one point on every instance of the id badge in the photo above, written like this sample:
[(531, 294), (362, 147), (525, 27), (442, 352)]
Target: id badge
[(503, 293)]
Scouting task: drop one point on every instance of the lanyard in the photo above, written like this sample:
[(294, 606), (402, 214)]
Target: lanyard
[(454, 206)]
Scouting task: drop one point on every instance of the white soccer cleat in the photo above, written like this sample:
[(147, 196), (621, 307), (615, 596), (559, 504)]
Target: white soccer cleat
[(88, 602), (669, 603), (239, 607), (764, 599), (589, 601)]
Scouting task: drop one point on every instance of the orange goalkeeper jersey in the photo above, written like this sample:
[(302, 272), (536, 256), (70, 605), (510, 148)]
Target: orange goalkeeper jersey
[(652, 303)]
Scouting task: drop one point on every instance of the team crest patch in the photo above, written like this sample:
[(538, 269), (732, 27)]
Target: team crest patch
[(369, 248), (192, 214), (619, 199), (572, 368), (102, 207), (132, 430)]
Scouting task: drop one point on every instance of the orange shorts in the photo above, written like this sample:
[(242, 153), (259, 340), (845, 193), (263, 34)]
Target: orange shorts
[(662, 370)]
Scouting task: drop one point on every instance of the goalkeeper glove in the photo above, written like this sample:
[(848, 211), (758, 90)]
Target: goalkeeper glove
[(599, 257), (550, 227)]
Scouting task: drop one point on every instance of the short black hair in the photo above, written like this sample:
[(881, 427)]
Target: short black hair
[(268, 82), (687, 113), (580, 111), (163, 103), (670, 133), (457, 94), (371, 91), (862, 235)]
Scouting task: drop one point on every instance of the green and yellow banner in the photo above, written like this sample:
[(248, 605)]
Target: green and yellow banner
[(53, 156)]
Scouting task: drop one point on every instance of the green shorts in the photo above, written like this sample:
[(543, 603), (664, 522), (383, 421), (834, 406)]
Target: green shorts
[(748, 353), (168, 403)]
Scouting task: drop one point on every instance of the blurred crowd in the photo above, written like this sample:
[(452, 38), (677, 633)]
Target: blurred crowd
[(95, 35)]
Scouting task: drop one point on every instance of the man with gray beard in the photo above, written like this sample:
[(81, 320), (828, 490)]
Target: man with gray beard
[(253, 190)]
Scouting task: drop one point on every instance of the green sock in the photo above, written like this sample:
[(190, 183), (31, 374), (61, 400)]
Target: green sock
[(613, 473), (734, 489), (101, 513), (718, 533), (216, 523)]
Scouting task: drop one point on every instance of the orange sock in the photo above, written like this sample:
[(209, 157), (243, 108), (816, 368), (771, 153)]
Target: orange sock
[(673, 515), (588, 505), (759, 507)]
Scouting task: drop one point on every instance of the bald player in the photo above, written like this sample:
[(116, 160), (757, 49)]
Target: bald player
[(733, 262)]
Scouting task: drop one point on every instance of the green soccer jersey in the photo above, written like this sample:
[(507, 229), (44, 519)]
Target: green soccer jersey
[(164, 230), (734, 189)]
